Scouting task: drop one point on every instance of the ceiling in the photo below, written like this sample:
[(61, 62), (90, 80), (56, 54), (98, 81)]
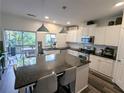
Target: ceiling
[(77, 10)]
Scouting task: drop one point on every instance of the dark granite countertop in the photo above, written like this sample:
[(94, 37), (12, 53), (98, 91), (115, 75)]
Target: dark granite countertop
[(57, 48), (104, 56), (93, 54), (29, 70)]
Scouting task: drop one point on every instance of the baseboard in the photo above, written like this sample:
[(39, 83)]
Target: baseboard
[(82, 89)]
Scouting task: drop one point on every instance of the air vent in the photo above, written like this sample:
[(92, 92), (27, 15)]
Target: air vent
[(31, 15), (91, 22)]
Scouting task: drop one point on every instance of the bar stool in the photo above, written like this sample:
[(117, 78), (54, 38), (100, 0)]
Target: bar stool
[(48, 84), (68, 78)]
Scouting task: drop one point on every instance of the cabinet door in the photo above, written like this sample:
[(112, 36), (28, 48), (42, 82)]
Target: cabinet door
[(61, 40), (79, 35), (112, 35), (81, 78), (94, 63), (85, 31), (119, 74), (106, 67), (72, 36), (100, 35), (91, 31), (119, 65)]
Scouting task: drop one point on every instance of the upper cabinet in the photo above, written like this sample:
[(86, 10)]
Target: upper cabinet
[(74, 36), (61, 40), (108, 35), (112, 35), (88, 31), (100, 35)]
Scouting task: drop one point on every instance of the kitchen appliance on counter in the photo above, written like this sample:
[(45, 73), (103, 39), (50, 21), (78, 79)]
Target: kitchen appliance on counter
[(87, 39), (109, 52)]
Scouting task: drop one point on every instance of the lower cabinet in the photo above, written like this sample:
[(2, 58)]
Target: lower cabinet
[(52, 52), (94, 62), (81, 78), (102, 65)]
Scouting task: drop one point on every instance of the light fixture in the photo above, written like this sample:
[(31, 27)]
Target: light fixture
[(68, 23), (46, 17), (63, 30), (54, 21), (43, 29), (119, 4)]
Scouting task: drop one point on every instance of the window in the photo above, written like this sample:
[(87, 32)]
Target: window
[(50, 40)]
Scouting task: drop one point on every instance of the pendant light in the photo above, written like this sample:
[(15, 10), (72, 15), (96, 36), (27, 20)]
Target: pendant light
[(64, 30), (43, 29)]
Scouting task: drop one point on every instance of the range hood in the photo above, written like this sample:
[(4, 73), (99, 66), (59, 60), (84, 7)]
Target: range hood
[(43, 29)]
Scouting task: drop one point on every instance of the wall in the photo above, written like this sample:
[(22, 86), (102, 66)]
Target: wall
[(104, 21), (0, 21), (15, 22)]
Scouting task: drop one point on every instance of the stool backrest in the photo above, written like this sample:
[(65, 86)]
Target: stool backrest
[(69, 76), (47, 84)]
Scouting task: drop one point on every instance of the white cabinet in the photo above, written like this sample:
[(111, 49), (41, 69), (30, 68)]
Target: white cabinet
[(108, 35), (102, 65), (72, 36), (112, 34), (88, 30), (100, 35), (106, 66), (72, 52), (94, 62), (79, 35), (52, 52), (81, 78), (84, 31), (119, 65), (61, 40)]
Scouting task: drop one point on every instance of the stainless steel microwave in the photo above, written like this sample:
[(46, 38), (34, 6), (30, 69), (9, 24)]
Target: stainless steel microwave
[(87, 39)]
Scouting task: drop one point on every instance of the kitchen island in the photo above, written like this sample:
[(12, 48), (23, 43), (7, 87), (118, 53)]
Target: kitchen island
[(33, 68)]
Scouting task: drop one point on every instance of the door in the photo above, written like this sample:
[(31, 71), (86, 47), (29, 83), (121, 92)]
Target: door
[(119, 65)]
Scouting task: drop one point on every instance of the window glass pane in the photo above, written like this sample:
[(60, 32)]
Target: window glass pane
[(28, 38), (50, 39)]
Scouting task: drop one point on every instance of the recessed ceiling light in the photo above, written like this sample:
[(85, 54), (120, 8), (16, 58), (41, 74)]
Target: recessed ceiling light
[(54, 21), (46, 17), (68, 23), (119, 4)]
